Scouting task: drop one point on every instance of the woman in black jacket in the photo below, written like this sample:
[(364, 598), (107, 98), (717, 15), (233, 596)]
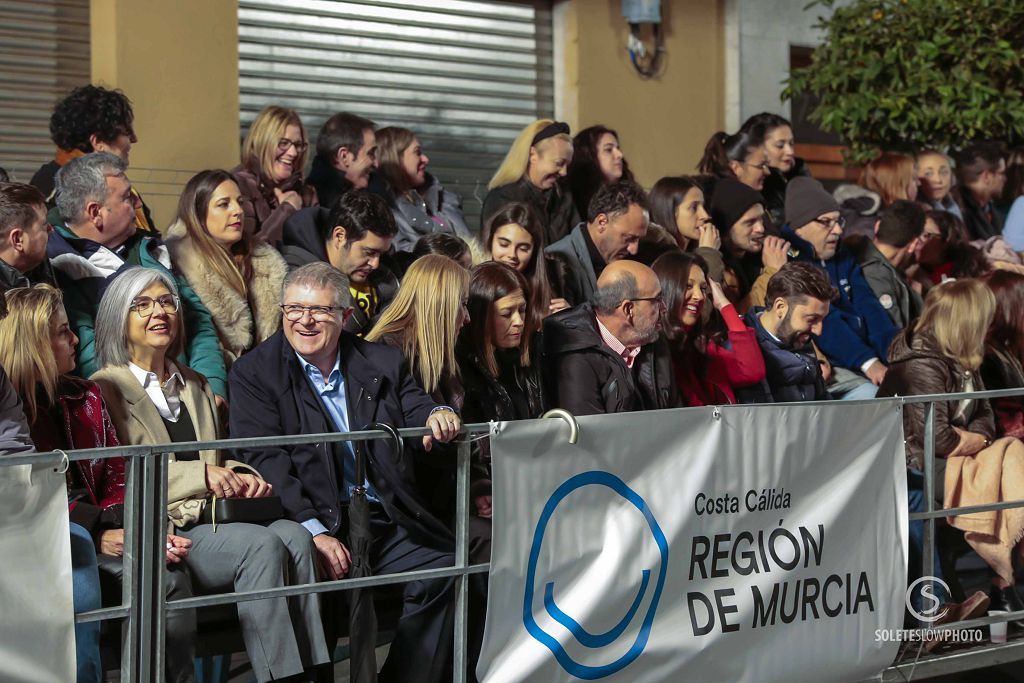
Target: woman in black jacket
[(497, 358)]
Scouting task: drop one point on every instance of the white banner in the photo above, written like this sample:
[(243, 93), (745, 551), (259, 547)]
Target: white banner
[(37, 621), (759, 544)]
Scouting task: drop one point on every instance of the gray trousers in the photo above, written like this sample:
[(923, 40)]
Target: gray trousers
[(283, 636)]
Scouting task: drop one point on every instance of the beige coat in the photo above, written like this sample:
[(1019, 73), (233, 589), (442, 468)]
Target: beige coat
[(241, 323), (137, 423)]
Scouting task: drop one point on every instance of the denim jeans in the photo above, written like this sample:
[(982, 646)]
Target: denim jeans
[(915, 564), (86, 591)]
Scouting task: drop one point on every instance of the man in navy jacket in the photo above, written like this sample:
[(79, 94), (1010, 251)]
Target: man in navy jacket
[(857, 332), (311, 378)]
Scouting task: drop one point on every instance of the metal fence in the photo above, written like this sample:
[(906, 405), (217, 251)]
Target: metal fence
[(144, 606)]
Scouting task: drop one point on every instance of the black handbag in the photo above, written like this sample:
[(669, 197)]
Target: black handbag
[(253, 510)]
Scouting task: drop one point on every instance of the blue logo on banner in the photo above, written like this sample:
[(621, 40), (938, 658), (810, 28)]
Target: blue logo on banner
[(587, 639)]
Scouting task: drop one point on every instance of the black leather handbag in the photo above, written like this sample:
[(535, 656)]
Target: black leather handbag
[(253, 510)]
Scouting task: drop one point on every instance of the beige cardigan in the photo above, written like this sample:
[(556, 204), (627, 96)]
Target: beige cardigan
[(138, 423)]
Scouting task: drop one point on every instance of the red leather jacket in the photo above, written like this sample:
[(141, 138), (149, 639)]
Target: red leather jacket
[(80, 420)]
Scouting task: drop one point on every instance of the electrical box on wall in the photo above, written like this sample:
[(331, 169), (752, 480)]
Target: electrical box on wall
[(642, 11)]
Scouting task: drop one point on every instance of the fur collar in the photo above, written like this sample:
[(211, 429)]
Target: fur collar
[(241, 323)]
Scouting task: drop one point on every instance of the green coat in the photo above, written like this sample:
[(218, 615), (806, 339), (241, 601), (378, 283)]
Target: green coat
[(83, 269)]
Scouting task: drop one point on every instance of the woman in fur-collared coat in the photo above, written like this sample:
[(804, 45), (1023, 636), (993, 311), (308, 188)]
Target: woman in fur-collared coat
[(238, 277)]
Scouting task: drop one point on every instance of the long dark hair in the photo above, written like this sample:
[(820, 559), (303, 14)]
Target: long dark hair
[(665, 197), (759, 126), (1007, 329), (234, 266), (723, 148), (584, 174), (673, 271), (489, 282), (538, 289)]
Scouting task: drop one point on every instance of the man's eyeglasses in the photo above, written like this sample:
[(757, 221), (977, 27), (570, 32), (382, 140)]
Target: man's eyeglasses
[(829, 223), (660, 299), (284, 143), (295, 312), (145, 306)]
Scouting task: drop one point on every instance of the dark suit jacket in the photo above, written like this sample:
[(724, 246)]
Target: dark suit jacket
[(270, 396)]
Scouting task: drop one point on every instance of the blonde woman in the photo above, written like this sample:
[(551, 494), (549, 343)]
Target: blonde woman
[(270, 175), (532, 173), (423, 322), (417, 199), (37, 348), (237, 276), (941, 353), (152, 400)]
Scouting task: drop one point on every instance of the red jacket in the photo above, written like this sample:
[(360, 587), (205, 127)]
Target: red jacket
[(711, 378), (80, 420)]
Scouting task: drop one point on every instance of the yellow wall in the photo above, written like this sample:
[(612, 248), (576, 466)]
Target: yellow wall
[(663, 122), (177, 60)]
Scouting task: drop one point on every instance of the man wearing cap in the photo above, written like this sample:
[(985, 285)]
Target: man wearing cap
[(608, 355), (857, 331), (737, 211), (617, 220)]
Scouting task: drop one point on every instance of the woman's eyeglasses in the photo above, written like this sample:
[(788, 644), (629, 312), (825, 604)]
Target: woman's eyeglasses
[(284, 143), (145, 306)]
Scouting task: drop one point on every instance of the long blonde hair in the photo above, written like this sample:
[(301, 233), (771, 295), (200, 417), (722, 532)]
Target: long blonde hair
[(235, 267), (426, 314), (260, 144), (26, 352), (517, 161), (957, 314)]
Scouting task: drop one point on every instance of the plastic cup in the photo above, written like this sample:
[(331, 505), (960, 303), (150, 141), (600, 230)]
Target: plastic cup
[(997, 631)]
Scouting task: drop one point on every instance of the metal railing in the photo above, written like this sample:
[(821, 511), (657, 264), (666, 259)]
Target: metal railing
[(143, 603), (144, 546)]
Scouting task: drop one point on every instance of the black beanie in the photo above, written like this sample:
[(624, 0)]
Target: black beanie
[(806, 200), (730, 199)]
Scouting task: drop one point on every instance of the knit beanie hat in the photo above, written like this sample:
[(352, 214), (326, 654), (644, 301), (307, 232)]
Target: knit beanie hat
[(730, 199), (806, 199)]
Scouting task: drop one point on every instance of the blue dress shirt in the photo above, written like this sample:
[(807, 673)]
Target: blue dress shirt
[(332, 396)]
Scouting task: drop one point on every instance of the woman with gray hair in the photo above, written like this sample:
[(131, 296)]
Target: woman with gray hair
[(152, 400)]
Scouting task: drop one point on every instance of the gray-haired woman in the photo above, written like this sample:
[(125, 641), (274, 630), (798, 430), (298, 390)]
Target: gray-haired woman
[(153, 400)]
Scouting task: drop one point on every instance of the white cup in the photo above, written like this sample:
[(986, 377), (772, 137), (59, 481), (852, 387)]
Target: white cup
[(998, 631)]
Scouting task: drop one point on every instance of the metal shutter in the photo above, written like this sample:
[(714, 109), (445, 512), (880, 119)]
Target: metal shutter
[(466, 75), (44, 53)]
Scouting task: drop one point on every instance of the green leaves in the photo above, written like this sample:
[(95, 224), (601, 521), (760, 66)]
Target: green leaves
[(900, 75)]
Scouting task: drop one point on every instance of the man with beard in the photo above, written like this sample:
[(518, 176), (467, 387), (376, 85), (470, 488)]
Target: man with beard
[(798, 299), (857, 332), (352, 237), (752, 256), (608, 355)]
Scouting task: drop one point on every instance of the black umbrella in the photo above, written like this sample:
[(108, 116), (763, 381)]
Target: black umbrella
[(362, 617)]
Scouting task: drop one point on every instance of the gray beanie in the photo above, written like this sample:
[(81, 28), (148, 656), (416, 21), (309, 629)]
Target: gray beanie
[(806, 199)]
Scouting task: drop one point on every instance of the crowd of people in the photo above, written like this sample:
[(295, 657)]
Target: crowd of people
[(279, 303)]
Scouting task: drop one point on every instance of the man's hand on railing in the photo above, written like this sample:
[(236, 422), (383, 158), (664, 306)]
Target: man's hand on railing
[(333, 555), (445, 426), (177, 548)]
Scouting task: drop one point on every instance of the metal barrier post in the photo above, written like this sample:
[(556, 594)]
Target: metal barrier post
[(929, 498), (150, 568), (461, 560), (130, 576), (159, 554)]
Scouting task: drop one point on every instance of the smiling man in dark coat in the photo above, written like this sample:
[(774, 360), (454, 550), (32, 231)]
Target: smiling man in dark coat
[(310, 378)]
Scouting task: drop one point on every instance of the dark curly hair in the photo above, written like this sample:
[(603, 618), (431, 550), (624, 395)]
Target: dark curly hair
[(91, 110)]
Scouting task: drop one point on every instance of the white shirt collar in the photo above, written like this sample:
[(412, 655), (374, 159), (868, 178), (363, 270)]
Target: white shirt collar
[(165, 396)]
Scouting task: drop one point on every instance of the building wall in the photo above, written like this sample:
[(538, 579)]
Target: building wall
[(663, 122), (762, 32), (178, 63)]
